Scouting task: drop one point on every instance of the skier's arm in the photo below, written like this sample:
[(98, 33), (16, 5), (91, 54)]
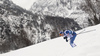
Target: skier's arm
[(65, 36)]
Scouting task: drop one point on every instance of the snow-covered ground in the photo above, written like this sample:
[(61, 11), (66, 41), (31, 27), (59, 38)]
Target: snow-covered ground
[(88, 44)]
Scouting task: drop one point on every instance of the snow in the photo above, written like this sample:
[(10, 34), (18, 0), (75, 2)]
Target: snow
[(24, 3), (88, 44), (1, 2)]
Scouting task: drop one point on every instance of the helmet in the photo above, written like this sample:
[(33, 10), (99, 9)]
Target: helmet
[(61, 33)]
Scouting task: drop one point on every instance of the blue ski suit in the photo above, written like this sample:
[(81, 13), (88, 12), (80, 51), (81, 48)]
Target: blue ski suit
[(70, 35)]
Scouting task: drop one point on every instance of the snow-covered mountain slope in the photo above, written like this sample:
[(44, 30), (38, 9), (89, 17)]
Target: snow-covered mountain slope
[(88, 44), (20, 28)]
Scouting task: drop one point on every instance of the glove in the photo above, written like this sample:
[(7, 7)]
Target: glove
[(66, 40), (65, 37)]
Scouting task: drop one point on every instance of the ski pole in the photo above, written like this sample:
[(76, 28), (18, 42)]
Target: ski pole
[(86, 31)]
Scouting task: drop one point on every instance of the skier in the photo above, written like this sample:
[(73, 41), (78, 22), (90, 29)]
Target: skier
[(69, 35)]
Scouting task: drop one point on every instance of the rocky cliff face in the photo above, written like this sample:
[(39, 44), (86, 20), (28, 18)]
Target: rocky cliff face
[(20, 28), (15, 25), (92, 7), (85, 13)]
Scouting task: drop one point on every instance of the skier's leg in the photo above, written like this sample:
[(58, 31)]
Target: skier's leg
[(72, 41), (72, 44), (73, 38)]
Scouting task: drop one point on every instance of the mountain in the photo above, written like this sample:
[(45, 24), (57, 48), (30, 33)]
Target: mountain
[(20, 28), (14, 26), (87, 45), (86, 11)]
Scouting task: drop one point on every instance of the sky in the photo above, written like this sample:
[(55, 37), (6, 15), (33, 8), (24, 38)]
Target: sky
[(88, 44), (26, 4)]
